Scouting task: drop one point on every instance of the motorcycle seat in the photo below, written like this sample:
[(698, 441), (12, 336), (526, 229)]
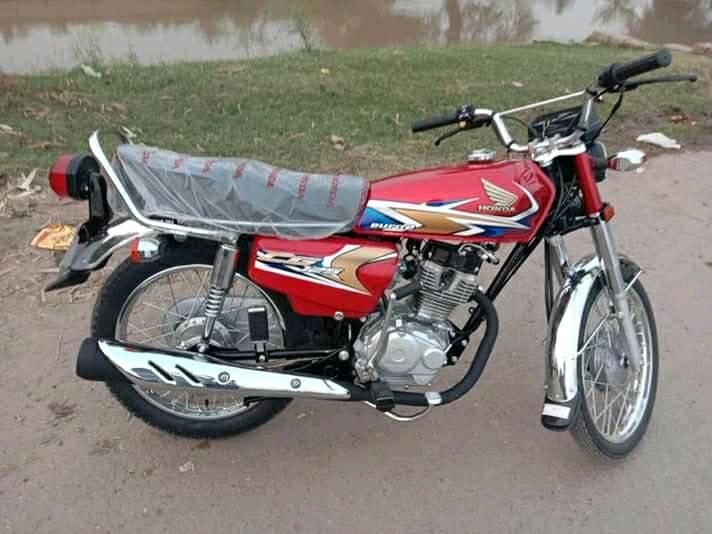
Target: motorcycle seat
[(237, 194)]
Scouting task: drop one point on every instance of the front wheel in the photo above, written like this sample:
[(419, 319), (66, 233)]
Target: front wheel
[(616, 403), (161, 304)]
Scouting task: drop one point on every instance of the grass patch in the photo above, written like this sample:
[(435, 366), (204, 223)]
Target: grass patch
[(284, 109)]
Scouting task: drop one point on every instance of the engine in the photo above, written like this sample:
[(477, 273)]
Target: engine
[(419, 330)]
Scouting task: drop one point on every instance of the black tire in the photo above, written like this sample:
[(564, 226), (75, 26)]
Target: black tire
[(115, 292), (583, 429)]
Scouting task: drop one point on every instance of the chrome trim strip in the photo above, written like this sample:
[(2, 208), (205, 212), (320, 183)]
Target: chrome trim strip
[(175, 370)]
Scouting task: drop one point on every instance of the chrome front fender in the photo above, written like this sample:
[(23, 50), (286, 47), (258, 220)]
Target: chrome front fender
[(87, 255), (565, 324)]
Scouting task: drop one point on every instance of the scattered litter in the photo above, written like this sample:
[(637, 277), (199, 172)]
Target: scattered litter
[(126, 133), (338, 142), (301, 415), (186, 467), (37, 113), (86, 69), (58, 351), (26, 181), (54, 237), (518, 84), (6, 128), (61, 409), (677, 119), (659, 139), (44, 145), (105, 446), (204, 444), (7, 271), (118, 106), (325, 71)]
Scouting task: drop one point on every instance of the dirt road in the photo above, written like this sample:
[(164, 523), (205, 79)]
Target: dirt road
[(72, 461)]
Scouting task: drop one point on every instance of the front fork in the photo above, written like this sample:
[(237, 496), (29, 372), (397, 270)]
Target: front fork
[(568, 313)]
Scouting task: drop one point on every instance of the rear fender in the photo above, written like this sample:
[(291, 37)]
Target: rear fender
[(89, 253)]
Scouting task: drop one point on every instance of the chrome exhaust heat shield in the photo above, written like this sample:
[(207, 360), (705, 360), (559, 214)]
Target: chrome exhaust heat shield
[(152, 368)]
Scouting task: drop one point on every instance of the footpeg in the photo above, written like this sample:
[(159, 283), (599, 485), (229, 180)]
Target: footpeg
[(558, 416), (382, 396)]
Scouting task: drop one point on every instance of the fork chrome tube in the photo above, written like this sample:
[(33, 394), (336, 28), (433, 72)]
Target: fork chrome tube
[(559, 258), (606, 250), (224, 268)]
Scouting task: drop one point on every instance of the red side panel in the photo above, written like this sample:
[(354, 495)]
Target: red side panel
[(322, 277), (495, 202)]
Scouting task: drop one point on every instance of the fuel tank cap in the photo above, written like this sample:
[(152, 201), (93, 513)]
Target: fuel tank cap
[(482, 155)]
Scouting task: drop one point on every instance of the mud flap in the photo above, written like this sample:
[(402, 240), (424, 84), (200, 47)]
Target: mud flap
[(90, 251)]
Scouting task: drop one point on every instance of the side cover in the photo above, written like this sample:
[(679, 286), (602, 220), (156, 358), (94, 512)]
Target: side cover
[(326, 276), (494, 202)]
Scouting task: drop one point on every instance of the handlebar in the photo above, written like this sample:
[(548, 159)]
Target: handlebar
[(612, 79), (435, 122), (617, 73)]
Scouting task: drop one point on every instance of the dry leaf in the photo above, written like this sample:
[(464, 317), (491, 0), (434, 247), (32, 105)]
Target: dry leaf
[(325, 71), (61, 409), (338, 142), (118, 106), (54, 237), (86, 69)]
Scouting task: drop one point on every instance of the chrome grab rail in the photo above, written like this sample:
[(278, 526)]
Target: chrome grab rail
[(160, 226)]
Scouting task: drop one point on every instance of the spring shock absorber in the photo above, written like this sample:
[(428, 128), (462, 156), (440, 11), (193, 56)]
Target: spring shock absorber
[(220, 283)]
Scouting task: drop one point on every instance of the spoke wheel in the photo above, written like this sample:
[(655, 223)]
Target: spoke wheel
[(616, 402), (167, 311), (161, 304)]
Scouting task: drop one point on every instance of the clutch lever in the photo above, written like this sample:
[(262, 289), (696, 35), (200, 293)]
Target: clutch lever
[(631, 85), (449, 134)]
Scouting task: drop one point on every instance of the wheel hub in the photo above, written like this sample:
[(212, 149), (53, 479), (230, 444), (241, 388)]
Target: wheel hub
[(188, 334)]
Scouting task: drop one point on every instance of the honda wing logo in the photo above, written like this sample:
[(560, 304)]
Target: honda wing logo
[(502, 200)]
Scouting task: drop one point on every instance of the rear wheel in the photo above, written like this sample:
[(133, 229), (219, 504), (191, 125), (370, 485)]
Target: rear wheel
[(161, 304), (616, 402)]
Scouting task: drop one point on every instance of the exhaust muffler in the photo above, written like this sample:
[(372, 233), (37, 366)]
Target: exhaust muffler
[(111, 361)]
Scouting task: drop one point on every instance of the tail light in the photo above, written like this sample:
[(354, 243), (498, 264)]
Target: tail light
[(69, 175)]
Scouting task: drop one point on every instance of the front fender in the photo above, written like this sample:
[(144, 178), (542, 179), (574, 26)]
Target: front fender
[(565, 324), (87, 254)]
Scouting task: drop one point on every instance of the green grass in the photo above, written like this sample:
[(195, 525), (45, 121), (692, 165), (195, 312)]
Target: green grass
[(284, 109)]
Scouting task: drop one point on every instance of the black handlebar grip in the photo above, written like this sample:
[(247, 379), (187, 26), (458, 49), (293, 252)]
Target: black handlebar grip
[(618, 73), (435, 122)]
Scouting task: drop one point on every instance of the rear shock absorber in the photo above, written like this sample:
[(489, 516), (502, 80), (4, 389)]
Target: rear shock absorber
[(220, 282)]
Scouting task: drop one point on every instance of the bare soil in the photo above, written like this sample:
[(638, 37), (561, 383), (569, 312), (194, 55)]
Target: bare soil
[(71, 460)]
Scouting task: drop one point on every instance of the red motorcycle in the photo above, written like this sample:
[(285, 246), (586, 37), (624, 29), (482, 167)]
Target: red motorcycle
[(248, 285)]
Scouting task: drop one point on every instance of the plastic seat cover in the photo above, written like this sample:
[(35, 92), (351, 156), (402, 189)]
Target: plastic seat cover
[(242, 195)]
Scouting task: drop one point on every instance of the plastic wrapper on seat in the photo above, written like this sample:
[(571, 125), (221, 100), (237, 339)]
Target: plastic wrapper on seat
[(235, 194)]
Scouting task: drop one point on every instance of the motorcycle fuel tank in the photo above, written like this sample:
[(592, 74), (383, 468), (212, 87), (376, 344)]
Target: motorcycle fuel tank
[(325, 276), (504, 201)]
